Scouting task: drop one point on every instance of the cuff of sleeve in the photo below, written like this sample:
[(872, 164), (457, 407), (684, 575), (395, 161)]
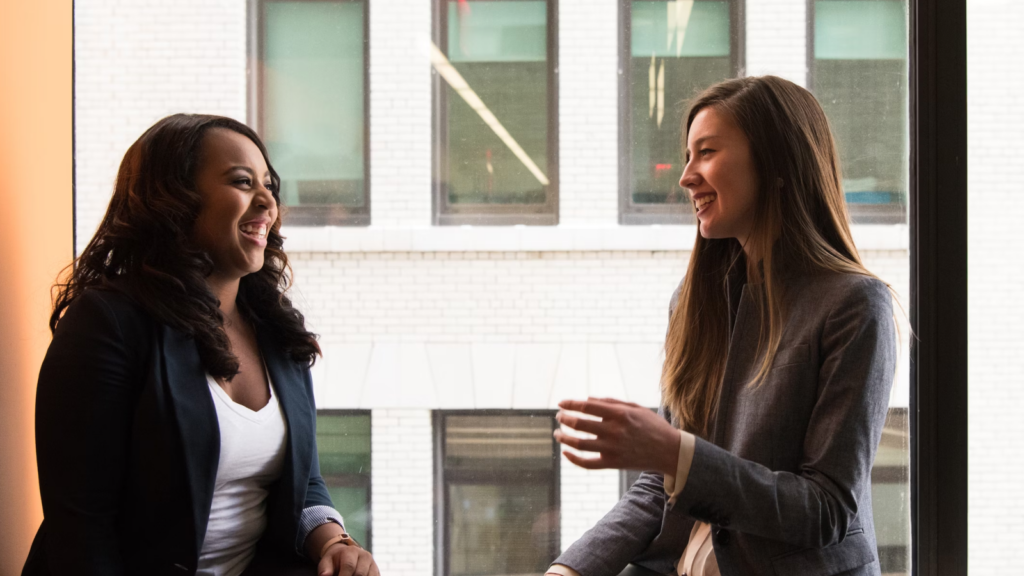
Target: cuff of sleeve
[(562, 570), (674, 484), (316, 516)]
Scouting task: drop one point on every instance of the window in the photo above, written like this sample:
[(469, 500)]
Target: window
[(343, 445), (890, 478), (669, 51), (858, 71), (495, 112), (311, 107), (498, 492), (626, 480)]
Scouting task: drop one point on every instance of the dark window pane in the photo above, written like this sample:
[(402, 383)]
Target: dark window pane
[(496, 529), (493, 68), (313, 103), (500, 494), (860, 78), (343, 445), (503, 442)]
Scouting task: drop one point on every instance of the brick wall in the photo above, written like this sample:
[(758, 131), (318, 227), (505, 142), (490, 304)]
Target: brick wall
[(402, 496), (777, 39), (588, 112), (400, 85), (995, 111), (136, 62), (139, 61)]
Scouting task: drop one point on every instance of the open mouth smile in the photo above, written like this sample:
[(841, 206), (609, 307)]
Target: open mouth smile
[(256, 232), (702, 200)]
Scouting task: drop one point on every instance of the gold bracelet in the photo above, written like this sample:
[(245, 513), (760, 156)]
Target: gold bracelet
[(344, 538)]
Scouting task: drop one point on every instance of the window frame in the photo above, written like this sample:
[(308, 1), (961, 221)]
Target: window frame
[(369, 476), (446, 214), (631, 213), (938, 287), (861, 213), (442, 544), (299, 215)]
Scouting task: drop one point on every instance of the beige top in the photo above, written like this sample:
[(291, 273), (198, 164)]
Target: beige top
[(698, 557)]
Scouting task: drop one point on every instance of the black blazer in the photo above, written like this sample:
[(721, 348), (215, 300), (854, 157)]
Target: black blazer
[(128, 441)]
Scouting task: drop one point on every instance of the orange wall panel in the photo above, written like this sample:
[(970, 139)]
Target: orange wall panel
[(36, 222)]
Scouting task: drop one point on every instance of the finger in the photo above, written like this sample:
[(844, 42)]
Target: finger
[(584, 444), (617, 401), (587, 463), (594, 427), (363, 565), (374, 571), (346, 558), (589, 406), (326, 566)]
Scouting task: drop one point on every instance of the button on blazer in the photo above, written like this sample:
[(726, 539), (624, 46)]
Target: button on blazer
[(784, 476), (128, 441)]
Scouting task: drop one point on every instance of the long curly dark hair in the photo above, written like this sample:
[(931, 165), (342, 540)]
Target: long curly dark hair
[(144, 246)]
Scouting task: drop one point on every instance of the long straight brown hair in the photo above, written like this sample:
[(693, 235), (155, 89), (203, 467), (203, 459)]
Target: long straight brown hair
[(801, 224)]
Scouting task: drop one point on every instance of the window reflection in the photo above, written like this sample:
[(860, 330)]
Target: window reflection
[(343, 446), (859, 74), (312, 107), (495, 146), (675, 50), (500, 479)]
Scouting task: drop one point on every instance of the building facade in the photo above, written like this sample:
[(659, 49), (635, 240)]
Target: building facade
[(483, 219)]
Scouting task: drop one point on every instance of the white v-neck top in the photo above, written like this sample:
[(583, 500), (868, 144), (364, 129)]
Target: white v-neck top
[(252, 450)]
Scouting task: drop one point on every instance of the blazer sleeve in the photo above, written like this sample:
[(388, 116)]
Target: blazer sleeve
[(814, 507), (624, 533), (84, 404)]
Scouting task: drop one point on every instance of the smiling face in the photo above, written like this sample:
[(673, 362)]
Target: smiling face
[(238, 208), (720, 176)]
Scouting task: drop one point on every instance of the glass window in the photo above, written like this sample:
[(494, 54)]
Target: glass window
[(499, 486), (311, 107), (343, 445), (671, 50), (495, 128), (859, 74), (890, 493)]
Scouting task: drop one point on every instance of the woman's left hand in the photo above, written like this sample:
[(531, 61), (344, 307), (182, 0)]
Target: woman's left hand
[(343, 560), (628, 436)]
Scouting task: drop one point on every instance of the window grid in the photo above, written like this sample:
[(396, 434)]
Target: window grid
[(444, 479), (447, 213), (360, 479)]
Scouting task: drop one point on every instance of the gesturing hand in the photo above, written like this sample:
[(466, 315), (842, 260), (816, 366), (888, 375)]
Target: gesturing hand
[(628, 436), (342, 560)]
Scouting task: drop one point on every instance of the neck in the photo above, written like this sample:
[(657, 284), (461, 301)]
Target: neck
[(226, 292)]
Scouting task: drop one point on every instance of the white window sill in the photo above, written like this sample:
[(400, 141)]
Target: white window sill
[(560, 238)]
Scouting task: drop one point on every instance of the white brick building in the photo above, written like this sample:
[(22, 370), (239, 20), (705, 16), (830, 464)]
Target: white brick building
[(415, 318)]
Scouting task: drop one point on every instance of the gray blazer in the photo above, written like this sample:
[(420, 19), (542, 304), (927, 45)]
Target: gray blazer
[(785, 477)]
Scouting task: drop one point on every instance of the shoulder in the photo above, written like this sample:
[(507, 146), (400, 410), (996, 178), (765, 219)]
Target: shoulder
[(858, 291), (829, 291), (674, 299), (106, 308)]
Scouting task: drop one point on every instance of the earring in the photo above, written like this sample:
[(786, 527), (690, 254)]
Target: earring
[(779, 182)]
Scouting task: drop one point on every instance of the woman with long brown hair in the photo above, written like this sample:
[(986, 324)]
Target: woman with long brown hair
[(175, 419), (779, 360)]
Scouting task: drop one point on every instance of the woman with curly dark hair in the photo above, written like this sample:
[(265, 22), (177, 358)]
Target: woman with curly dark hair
[(175, 419)]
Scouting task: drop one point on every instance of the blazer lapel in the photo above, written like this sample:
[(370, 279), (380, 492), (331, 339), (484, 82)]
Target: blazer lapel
[(289, 385), (197, 423)]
